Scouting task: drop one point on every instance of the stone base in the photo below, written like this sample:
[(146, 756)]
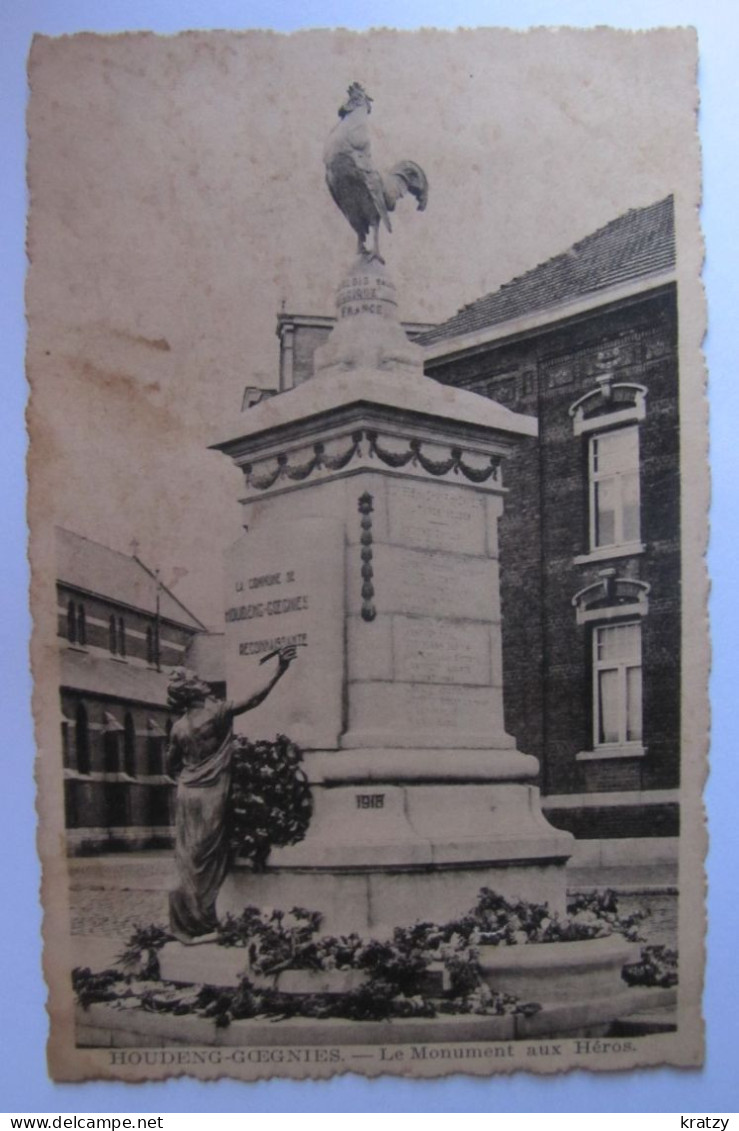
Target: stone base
[(208, 963), (372, 902), (559, 971), (104, 1026), (319, 981), (214, 965), (384, 854), (403, 825)]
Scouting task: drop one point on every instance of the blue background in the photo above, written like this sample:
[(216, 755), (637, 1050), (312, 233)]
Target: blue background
[(23, 1025)]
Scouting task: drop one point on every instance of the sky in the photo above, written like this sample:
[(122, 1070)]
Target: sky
[(178, 201)]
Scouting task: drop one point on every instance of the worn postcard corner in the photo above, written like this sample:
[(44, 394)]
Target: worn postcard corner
[(368, 505)]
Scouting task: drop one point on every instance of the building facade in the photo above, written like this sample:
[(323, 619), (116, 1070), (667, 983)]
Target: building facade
[(590, 537), (120, 631)]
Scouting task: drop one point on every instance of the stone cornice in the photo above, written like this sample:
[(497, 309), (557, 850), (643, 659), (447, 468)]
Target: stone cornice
[(347, 435), (369, 449), (373, 395)]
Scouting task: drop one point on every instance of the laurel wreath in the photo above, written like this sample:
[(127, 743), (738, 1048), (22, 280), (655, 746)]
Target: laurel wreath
[(271, 803)]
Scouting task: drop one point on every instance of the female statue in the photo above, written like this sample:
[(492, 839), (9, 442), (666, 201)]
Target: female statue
[(199, 757)]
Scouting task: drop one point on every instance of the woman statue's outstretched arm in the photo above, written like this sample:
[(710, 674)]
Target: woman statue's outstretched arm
[(286, 655)]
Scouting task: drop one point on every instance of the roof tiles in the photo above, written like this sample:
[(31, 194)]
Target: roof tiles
[(634, 246), (94, 568)]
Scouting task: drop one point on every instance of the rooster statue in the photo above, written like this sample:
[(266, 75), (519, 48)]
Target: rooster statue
[(363, 194)]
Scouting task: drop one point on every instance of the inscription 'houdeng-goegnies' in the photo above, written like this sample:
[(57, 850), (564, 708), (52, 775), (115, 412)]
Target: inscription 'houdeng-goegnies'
[(269, 608)]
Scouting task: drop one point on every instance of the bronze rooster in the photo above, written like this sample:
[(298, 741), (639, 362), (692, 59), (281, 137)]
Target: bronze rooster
[(363, 194)]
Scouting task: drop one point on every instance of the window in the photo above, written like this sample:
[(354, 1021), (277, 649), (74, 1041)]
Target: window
[(71, 624), (71, 805), (129, 745), (76, 624), (617, 685), (81, 626), (156, 738), (152, 645), (111, 760), (154, 757), (614, 488), (117, 636), (607, 609), (609, 415), (82, 740)]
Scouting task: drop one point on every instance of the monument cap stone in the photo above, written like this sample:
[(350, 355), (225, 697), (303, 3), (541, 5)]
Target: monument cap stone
[(367, 334)]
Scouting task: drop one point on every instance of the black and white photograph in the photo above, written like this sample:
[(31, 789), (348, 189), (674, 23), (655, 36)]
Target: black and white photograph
[(368, 495)]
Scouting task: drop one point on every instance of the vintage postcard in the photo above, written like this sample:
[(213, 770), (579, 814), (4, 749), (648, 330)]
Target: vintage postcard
[(368, 493)]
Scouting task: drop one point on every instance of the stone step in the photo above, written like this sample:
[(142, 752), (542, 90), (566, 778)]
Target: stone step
[(660, 1020), (207, 964)]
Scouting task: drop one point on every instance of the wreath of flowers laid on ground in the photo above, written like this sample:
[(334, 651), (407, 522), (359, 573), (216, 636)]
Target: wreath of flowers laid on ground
[(271, 803), (656, 967), (422, 971)]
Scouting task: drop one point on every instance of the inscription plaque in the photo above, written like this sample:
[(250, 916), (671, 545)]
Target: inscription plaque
[(436, 517), (367, 294), (423, 582), (441, 651), (456, 710), (286, 586)]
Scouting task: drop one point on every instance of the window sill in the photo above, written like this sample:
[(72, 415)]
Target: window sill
[(77, 648), (605, 553), (602, 753), (71, 774)]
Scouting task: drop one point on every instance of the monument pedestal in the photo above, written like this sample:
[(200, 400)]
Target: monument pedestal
[(371, 504)]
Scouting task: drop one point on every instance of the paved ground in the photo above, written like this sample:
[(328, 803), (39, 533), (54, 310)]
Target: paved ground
[(110, 895), (660, 928), (147, 870), (114, 914)]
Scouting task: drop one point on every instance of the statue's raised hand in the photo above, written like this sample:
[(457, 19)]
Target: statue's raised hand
[(287, 654)]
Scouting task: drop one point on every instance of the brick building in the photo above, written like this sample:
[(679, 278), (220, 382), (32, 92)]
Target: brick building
[(590, 537), (119, 632)]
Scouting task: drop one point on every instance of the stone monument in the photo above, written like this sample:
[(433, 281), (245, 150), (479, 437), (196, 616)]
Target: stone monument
[(370, 511)]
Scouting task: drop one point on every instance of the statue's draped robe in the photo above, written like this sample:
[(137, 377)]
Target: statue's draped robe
[(200, 752)]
